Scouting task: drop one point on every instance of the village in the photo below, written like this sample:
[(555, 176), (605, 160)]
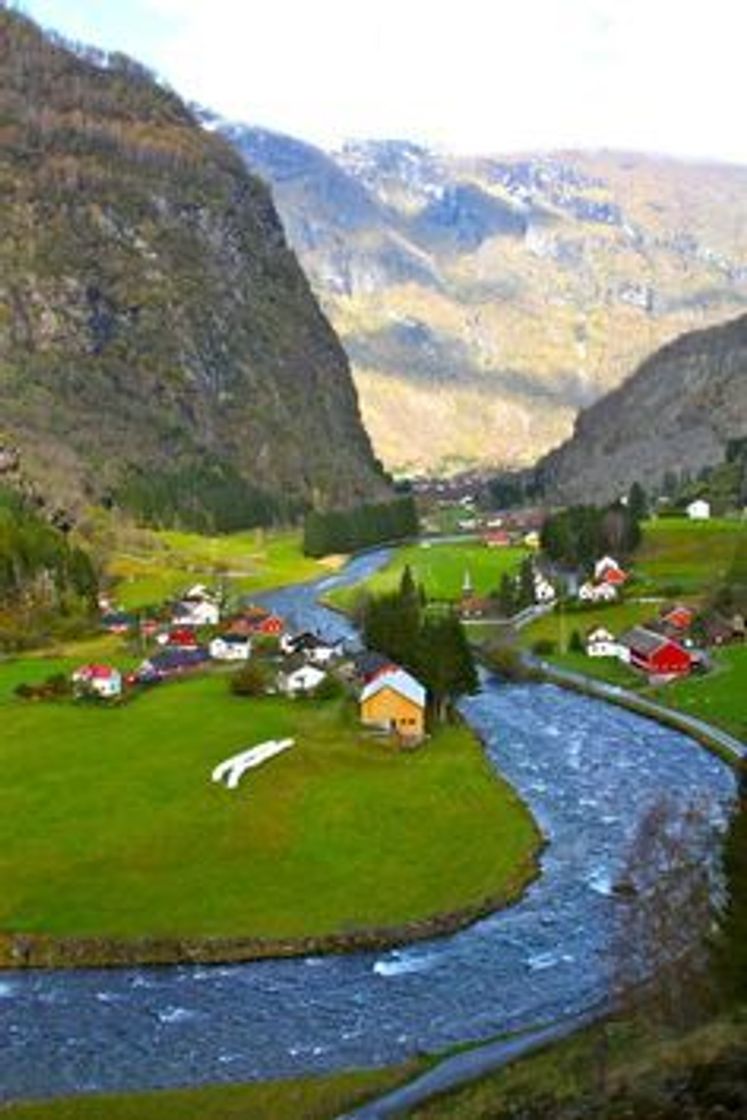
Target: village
[(194, 636)]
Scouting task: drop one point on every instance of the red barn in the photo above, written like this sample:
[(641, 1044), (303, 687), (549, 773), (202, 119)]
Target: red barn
[(656, 654)]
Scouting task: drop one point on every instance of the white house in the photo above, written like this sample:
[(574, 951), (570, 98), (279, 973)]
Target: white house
[(699, 510), (305, 679), (196, 612), (323, 654), (231, 647), (544, 592), (97, 680), (606, 564), (600, 643), (597, 593)]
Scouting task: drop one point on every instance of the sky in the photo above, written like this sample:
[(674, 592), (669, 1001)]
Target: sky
[(469, 76)]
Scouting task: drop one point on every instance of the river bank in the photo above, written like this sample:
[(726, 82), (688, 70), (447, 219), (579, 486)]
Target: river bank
[(587, 770)]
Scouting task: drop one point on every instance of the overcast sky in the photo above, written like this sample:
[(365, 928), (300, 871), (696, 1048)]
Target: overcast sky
[(466, 75)]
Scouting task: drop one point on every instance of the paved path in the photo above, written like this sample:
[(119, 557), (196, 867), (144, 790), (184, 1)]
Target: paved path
[(618, 695), (470, 1065)]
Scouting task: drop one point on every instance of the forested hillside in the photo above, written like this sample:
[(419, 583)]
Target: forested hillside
[(159, 345)]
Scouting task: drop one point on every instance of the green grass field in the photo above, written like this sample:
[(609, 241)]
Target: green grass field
[(314, 1098), (687, 558), (558, 626), (153, 566), (440, 568), (719, 697), (109, 824)]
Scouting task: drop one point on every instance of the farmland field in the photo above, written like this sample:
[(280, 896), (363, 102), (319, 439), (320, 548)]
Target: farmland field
[(679, 557)]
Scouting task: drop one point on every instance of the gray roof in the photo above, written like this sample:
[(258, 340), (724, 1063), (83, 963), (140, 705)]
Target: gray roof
[(399, 681), (642, 641)]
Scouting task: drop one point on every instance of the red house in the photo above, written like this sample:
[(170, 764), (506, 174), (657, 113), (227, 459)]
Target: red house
[(272, 625), (656, 654), (182, 637), (680, 618), (498, 538)]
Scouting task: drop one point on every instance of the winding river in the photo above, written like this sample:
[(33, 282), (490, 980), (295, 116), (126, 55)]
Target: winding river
[(588, 770)]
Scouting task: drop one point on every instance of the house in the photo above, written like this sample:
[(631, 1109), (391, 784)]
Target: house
[(544, 592), (196, 612), (368, 664), (271, 626), (183, 637), (532, 539), (97, 680), (231, 647), (699, 510), (614, 577), (497, 538), (600, 643), (395, 701), (118, 622), (597, 592), (605, 564), (472, 607), (656, 654), (300, 681), (149, 627), (171, 662), (679, 618)]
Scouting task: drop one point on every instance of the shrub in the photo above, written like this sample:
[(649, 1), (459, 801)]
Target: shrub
[(329, 689), (249, 680), (576, 644), (544, 646)]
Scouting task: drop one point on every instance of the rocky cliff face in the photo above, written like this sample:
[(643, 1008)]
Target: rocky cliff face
[(485, 301), (677, 412), (153, 320)]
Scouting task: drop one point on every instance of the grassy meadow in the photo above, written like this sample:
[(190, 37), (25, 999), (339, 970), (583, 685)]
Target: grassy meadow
[(149, 566), (110, 826), (683, 558), (440, 568)]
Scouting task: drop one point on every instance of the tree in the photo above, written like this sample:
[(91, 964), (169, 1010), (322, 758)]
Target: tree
[(525, 596), (446, 662), (507, 595), (660, 955), (731, 942), (637, 502), (576, 644), (249, 680)]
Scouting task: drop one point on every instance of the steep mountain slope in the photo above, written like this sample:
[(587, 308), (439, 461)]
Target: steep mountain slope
[(677, 412), (157, 335), (485, 301)]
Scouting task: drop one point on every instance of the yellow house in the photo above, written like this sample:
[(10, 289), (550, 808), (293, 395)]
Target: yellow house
[(395, 701)]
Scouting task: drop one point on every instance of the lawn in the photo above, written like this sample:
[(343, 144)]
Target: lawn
[(109, 825), (441, 569), (686, 558), (153, 566), (720, 696), (314, 1098)]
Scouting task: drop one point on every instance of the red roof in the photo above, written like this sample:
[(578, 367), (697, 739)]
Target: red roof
[(615, 576), (270, 625), (96, 672), (499, 536), (182, 636), (680, 617)]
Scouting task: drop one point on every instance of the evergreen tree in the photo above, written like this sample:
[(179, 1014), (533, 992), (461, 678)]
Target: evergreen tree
[(525, 596), (507, 595)]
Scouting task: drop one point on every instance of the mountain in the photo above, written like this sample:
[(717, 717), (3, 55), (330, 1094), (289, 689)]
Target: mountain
[(676, 413), (159, 343), (485, 301)]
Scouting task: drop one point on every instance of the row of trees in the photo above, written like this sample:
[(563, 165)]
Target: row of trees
[(208, 498), (432, 646), (348, 530)]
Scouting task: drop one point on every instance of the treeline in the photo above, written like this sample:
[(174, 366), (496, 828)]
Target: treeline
[(205, 498), (46, 583), (578, 536), (348, 530), (432, 646)]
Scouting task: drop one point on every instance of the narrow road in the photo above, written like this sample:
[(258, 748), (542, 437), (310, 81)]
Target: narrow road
[(616, 694), (468, 1066)]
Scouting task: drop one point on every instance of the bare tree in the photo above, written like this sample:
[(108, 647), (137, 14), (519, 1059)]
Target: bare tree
[(660, 958)]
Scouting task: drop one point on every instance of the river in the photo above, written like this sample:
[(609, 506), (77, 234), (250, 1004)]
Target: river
[(588, 771)]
